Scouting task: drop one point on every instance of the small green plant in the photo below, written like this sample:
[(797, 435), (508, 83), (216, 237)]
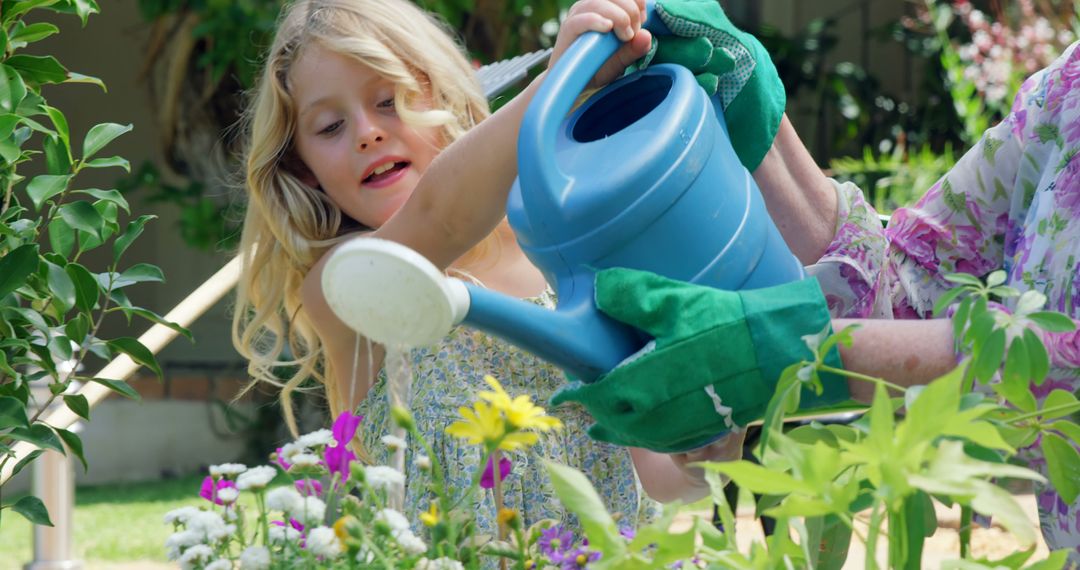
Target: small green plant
[(894, 179), (950, 444), (52, 304)]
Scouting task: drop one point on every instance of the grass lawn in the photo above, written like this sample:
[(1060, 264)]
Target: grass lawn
[(113, 523)]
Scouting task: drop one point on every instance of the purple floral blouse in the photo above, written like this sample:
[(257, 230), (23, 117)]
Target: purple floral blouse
[(1012, 202)]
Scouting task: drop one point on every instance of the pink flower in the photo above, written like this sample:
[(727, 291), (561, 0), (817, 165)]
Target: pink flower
[(1064, 348), (280, 460), (338, 457), (210, 488), (1067, 195), (916, 236), (487, 480), (309, 487)]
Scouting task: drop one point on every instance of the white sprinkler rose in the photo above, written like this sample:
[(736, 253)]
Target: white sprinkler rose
[(316, 438), (227, 470), (282, 534), (285, 499), (393, 442), (311, 512), (195, 556), (438, 564), (220, 564), (383, 478), (305, 460), (255, 478), (395, 520), (410, 543), (322, 541), (255, 558)]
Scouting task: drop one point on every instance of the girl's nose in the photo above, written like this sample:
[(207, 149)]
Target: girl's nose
[(368, 140)]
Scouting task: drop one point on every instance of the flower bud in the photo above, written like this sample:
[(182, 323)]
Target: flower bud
[(403, 418)]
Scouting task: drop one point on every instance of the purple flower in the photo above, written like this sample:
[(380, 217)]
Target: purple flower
[(210, 488), (578, 558), (309, 487), (554, 542), (280, 460), (338, 457), (627, 533), (487, 480)]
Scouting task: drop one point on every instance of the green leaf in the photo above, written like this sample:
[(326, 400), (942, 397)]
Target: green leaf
[(78, 404), (579, 497), (19, 8), (881, 421), (34, 32), (1055, 561), (1016, 364), (1059, 399), (7, 124), (119, 386), (82, 216), (80, 78), (134, 228), (43, 187), (113, 196), (26, 461), (1070, 429), (16, 266), (1052, 322), (758, 479), (57, 156), (74, 444), (1063, 464), (38, 69), (156, 318), (33, 510), (61, 237), (945, 300), (77, 328), (963, 279), (101, 135), (12, 89), (40, 435), (928, 415), (142, 273), (139, 353), (989, 358), (61, 124), (110, 162), (86, 287), (12, 413), (1038, 360)]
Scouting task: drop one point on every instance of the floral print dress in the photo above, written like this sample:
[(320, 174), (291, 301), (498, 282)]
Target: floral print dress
[(449, 376), (1012, 202)]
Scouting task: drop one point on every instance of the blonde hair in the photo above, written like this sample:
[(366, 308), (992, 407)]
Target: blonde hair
[(289, 224)]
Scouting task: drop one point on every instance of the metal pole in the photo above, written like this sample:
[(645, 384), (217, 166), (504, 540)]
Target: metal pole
[(54, 484)]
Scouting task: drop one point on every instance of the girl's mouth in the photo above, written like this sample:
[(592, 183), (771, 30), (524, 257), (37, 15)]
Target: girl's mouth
[(385, 174)]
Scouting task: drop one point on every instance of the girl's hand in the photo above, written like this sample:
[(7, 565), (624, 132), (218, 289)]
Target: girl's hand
[(729, 448), (625, 17)]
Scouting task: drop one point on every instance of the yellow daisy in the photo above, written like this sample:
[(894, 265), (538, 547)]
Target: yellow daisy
[(520, 412), (481, 424)]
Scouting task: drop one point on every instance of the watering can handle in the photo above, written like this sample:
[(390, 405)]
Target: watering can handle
[(556, 96)]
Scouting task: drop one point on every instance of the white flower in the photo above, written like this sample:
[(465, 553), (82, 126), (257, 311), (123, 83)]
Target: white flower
[(285, 499), (228, 495), (410, 543), (422, 462), (394, 442), (289, 450), (280, 534), (311, 511), (395, 520), (255, 478), (322, 541), (179, 541), (365, 556), (438, 564), (219, 564), (317, 438), (227, 470), (383, 478), (180, 515), (255, 558), (206, 523), (195, 555), (305, 460)]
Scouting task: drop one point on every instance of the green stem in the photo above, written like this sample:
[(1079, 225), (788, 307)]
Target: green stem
[(1054, 410), (965, 531), (898, 538), (863, 377), (871, 538)]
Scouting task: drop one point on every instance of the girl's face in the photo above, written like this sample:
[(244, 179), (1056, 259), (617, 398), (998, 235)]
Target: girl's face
[(351, 139)]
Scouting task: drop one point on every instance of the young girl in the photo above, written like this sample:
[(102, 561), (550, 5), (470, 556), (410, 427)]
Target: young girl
[(351, 133)]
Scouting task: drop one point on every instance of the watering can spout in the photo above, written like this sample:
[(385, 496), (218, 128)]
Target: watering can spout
[(396, 297)]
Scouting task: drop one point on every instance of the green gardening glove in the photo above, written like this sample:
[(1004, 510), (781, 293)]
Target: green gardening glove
[(714, 363), (729, 64)]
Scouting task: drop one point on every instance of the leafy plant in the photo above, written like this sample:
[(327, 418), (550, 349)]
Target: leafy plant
[(950, 444), (52, 304), (896, 178)]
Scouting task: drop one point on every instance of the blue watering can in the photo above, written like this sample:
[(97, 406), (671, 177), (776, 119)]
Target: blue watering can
[(642, 175)]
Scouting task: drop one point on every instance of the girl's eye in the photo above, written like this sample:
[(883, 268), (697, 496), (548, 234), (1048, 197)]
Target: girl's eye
[(386, 104), (331, 128)]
